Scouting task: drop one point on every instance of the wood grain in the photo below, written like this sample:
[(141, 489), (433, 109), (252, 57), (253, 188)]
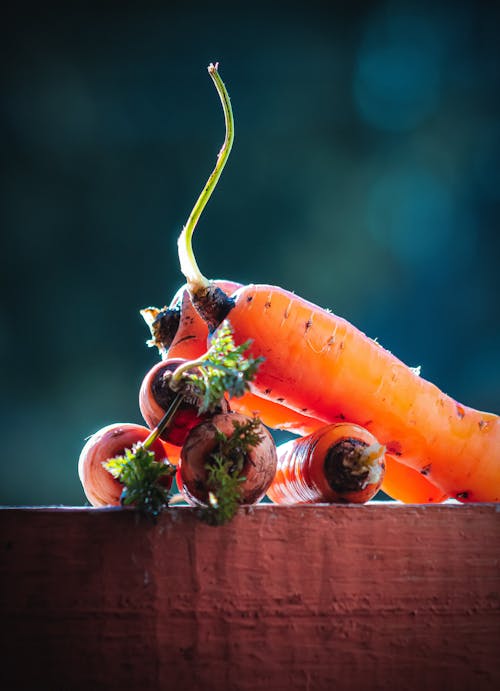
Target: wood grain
[(314, 597)]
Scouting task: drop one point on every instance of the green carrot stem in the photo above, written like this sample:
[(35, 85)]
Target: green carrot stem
[(189, 266), (179, 371), (164, 422), (185, 367)]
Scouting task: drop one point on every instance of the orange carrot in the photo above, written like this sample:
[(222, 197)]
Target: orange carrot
[(400, 481), (321, 365), (337, 463), (190, 340), (178, 330), (405, 484), (333, 371)]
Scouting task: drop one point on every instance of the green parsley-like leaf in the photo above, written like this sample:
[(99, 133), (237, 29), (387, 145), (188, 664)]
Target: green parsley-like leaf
[(224, 369), (224, 471), (225, 494), (140, 474)]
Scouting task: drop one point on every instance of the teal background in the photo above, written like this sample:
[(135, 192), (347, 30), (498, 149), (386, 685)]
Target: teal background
[(364, 177)]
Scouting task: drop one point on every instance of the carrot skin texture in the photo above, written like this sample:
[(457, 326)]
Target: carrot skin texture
[(303, 475), (275, 415), (400, 482), (330, 370), (405, 484), (100, 487)]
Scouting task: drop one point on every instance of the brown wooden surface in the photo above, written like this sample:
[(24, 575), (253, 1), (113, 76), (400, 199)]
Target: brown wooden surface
[(382, 596)]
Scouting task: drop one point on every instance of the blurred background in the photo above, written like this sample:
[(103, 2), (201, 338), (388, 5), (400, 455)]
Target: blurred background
[(364, 177)]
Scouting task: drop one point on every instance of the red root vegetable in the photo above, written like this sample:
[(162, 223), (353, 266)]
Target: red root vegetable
[(257, 469), (156, 395), (100, 487)]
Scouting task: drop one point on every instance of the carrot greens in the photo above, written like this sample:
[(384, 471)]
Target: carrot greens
[(224, 469), (141, 476), (223, 369)]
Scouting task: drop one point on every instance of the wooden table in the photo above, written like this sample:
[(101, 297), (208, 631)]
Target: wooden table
[(381, 596)]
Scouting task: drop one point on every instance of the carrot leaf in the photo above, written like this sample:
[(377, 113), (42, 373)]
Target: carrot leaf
[(223, 369), (235, 447), (224, 470), (141, 476)]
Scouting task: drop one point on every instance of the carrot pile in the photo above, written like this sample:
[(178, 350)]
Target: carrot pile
[(362, 419), (221, 458), (401, 482)]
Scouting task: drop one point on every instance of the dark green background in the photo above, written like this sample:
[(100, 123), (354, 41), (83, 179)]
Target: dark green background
[(364, 176)]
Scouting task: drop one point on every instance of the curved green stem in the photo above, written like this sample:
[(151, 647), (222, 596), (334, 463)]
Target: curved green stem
[(193, 364), (189, 267), (185, 367), (155, 433)]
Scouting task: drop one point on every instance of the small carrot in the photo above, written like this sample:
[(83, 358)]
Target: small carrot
[(337, 463), (330, 370), (156, 395), (400, 481), (100, 486), (227, 461)]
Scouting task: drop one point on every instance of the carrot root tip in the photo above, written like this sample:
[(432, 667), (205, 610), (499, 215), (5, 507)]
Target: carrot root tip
[(351, 465), (163, 325)]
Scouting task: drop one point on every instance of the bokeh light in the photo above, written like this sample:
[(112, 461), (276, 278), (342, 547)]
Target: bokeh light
[(397, 81)]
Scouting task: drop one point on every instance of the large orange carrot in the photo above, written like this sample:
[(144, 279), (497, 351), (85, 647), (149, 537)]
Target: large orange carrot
[(322, 366), (331, 370)]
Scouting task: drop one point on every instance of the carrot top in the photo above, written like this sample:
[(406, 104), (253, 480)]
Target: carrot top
[(224, 470), (141, 475), (224, 368)]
